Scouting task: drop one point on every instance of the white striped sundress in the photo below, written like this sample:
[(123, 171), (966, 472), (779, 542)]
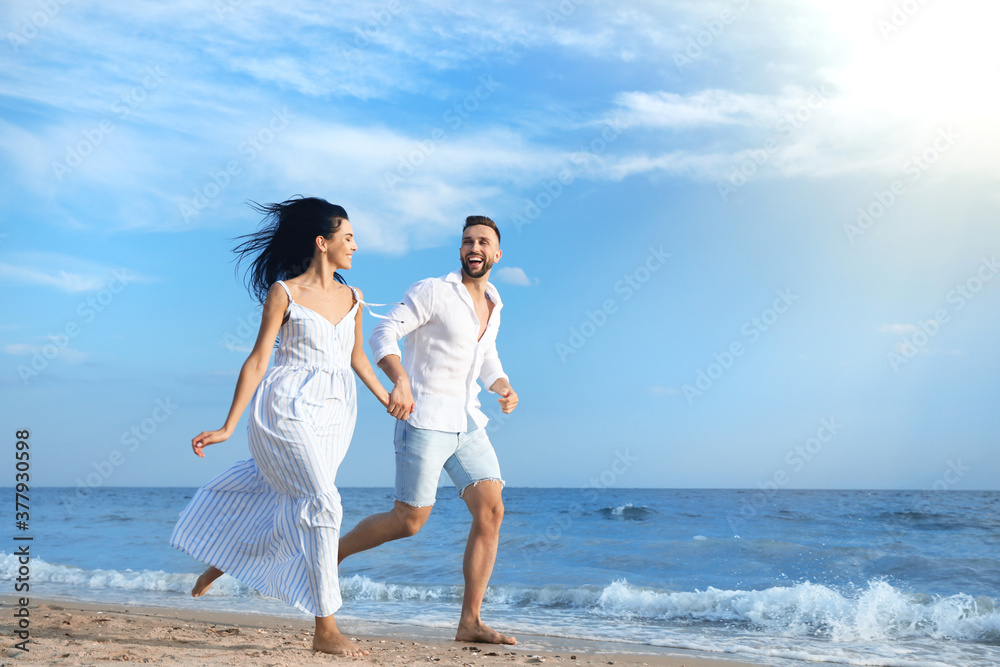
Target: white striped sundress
[(273, 521)]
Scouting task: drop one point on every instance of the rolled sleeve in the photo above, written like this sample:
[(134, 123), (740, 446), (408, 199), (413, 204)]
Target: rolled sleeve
[(492, 369), (404, 318), (385, 337)]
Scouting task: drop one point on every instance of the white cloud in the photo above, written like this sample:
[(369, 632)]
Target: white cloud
[(899, 329), (707, 107), (67, 354), (514, 275), (405, 191), (689, 125), (65, 273), (66, 281)]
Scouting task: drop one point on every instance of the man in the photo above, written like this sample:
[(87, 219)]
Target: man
[(450, 325)]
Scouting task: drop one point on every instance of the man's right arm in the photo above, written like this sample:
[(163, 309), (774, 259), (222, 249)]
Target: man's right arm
[(400, 398), (414, 311)]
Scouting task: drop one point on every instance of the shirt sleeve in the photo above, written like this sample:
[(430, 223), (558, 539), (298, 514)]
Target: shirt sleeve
[(415, 310), (492, 370)]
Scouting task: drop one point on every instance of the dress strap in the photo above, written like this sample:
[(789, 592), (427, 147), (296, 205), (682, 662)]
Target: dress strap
[(288, 308), (368, 306), (285, 287)]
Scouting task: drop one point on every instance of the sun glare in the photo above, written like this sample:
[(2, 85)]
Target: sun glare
[(925, 61)]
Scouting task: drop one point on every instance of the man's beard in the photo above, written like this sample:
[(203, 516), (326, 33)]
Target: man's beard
[(476, 273)]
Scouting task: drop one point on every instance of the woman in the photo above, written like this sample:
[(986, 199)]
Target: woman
[(273, 521)]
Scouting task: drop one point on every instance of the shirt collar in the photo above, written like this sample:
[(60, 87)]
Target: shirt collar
[(491, 290)]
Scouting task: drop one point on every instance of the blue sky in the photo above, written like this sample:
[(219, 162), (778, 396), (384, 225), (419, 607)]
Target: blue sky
[(746, 244)]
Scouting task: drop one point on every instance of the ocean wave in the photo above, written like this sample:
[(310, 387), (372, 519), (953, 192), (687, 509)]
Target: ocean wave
[(125, 580), (361, 588), (876, 612), (627, 512)]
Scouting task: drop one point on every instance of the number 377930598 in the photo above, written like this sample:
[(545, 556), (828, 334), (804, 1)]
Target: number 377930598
[(21, 478)]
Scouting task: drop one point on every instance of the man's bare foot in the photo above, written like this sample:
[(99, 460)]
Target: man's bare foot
[(205, 581), (337, 644), (482, 633)]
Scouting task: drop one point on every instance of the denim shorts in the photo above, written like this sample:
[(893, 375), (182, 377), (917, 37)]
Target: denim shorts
[(421, 453)]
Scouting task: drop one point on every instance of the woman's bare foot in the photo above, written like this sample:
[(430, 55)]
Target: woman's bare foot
[(205, 581), (482, 633), (339, 645), (329, 639)]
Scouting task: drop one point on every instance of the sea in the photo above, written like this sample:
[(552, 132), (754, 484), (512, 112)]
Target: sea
[(768, 576)]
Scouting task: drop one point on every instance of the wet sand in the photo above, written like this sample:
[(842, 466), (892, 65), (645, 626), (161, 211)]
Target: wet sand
[(77, 633)]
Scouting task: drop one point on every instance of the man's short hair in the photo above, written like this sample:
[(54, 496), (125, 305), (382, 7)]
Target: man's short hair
[(481, 220)]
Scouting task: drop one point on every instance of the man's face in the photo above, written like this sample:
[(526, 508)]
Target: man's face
[(480, 249)]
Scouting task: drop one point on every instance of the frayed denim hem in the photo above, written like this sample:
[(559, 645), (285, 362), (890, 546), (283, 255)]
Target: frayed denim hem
[(413, 505), (461, 494)]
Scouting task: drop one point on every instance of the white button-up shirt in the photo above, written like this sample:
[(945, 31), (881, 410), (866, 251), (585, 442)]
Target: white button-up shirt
[(443, 357)]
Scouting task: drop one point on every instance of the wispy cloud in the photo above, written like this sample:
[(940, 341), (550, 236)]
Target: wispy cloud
[(67, 354), (355, 70), (62, 272), (514, 275), (707, 107), (898, 329)]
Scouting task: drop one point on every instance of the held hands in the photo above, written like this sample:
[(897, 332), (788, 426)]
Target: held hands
[(206, 438), (400, 401)]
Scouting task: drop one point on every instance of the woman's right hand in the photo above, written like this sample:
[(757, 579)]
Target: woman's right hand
[(400, 401), (206, 438)]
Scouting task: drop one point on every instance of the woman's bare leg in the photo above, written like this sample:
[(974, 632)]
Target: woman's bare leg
[(205, 581)]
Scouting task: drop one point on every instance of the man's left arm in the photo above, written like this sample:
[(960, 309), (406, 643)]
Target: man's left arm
[(508, 397), (496, 380)]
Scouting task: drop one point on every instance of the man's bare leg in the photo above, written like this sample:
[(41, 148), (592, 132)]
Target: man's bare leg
[(205, 581), (402, 521), (486, 504), (329, 639)]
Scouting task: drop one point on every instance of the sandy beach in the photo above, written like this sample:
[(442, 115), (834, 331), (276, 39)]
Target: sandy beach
[(77, 633)]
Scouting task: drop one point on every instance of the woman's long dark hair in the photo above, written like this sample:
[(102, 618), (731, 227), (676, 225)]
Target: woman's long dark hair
[(284, 245)]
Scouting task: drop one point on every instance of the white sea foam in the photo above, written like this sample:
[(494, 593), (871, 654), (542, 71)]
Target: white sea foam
[(877, 612), (628, 511), (123, 580)]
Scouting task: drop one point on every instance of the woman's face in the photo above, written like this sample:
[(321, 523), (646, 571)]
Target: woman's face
[(341, 246)]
